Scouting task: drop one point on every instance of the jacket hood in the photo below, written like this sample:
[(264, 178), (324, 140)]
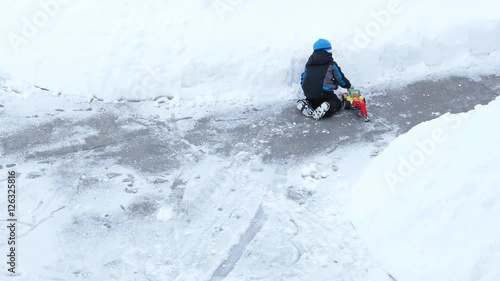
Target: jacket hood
[(320, 58)]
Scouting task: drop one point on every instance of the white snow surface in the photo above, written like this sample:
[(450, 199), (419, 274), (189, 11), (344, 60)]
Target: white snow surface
[(428, 206), (201, 52), (218, 218)]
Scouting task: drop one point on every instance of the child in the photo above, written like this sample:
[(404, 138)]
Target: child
[(321, 77)]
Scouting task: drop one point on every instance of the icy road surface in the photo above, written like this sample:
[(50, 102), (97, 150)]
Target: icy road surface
[(110, 192)]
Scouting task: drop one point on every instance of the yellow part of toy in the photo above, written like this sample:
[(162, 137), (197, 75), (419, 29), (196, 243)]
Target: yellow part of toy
[(353, 97)]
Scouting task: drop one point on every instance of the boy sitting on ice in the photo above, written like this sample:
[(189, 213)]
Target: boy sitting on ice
[(319, 80)]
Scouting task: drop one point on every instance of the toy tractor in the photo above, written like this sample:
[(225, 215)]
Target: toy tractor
[(354, 100)]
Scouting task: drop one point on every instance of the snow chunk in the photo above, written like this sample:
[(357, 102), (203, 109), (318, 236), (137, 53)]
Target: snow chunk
[(165, 213)]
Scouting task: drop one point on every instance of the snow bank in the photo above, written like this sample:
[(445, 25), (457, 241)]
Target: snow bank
[(428, 206), (206, 51)]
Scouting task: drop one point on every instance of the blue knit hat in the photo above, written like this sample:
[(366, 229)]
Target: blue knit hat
[(322, 44)]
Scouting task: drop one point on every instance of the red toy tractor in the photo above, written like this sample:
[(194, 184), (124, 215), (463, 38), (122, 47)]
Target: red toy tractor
[(354, 100)]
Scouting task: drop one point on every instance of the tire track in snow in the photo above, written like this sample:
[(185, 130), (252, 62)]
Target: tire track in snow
[(237, 250)]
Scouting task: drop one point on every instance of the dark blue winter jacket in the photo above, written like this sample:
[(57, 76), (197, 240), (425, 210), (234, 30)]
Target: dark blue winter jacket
[(322, 75)]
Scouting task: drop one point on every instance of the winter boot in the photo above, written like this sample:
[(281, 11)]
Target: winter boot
[(321, 111), (305, 108)]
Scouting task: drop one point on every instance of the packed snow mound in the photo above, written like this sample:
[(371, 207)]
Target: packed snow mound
[(428, 205), (205, 51)]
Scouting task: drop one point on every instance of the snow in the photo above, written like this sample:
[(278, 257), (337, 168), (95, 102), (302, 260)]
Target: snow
[(157, 141), (88, 215), (169, 198), (164, 214), (201, 52), (428, 205)]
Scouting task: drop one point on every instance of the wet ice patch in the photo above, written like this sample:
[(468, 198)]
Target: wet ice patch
[(62, 139), (143, 207)]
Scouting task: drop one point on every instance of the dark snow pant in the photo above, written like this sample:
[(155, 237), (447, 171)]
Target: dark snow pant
[(333, 100)]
